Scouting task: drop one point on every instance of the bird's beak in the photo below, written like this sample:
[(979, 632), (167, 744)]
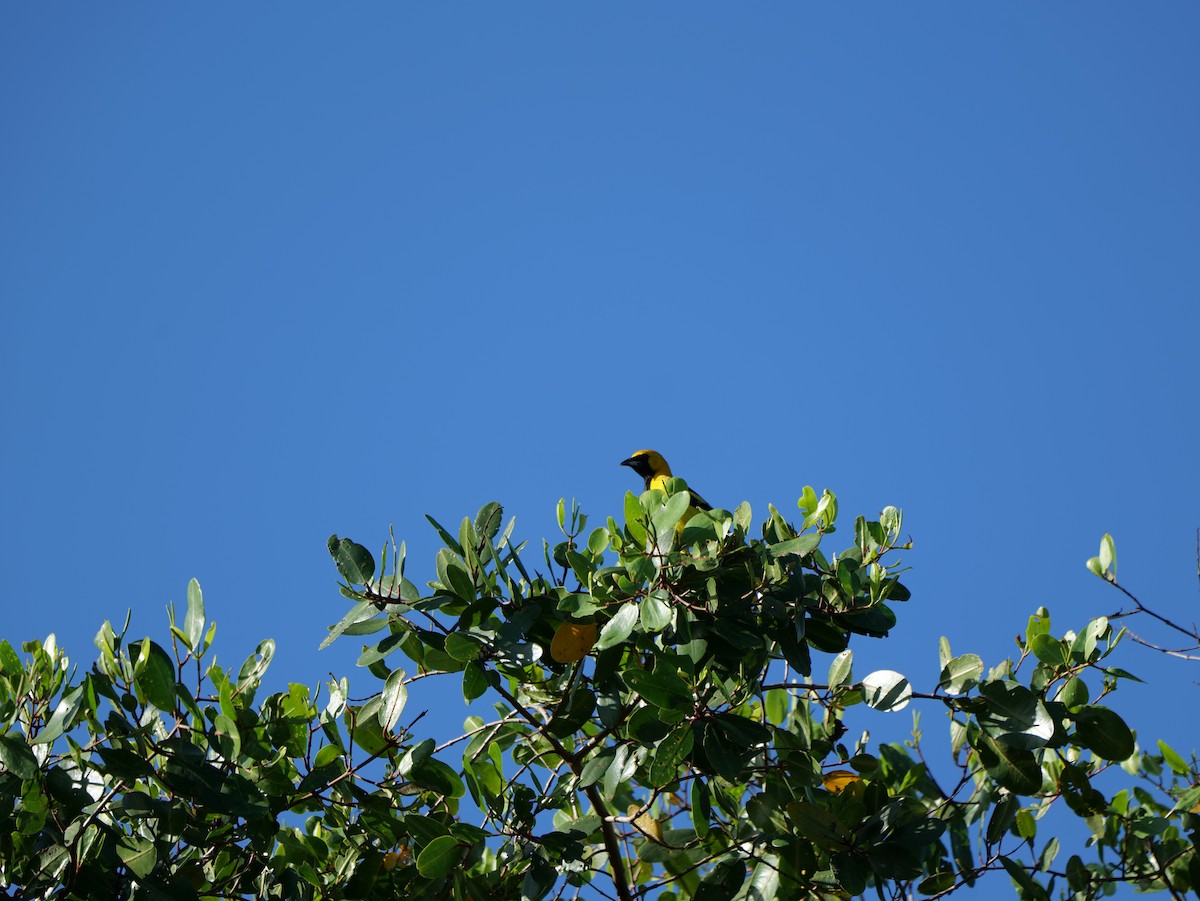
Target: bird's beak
[(629, 462)]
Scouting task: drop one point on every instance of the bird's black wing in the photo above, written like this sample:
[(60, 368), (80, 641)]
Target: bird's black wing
[(698, 502)]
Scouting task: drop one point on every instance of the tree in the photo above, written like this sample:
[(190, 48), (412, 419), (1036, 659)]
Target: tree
[(657, 731)]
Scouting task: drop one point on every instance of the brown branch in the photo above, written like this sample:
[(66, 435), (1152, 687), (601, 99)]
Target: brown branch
[(620, 878)]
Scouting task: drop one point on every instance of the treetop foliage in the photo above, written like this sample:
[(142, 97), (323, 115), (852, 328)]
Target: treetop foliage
[(657, 711)]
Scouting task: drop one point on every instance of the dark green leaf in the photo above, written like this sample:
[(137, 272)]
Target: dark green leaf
[(439, 857), (1077, 874), (64, 715), (462, 648), (671, 751), (937, 883), (17, 756), (436, 776), (157, 679), (1015, 716), (851, 872), (137, 854), (453, 575), (662, 688), (1027, 887), (475, 680), (1014, 768), (446, 537), (353, 561), (721, 882), (701, 807), (1002, 818), (1103, 732)]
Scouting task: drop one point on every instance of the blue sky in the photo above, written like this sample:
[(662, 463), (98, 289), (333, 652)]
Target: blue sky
[(276, 272)]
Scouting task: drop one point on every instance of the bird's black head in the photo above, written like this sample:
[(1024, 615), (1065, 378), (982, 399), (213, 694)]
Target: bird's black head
[(647, 463)]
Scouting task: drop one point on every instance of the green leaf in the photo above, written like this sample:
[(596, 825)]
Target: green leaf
[(701, 813), (365, 730), (17, 756), (617, 629), (1014, 768), (655, 615), (619, 771), (446, 537), (1187, 801), (815, 823), (453, 575), (137, 854), (850, 872), (1039, 624), (662, 687), (1074, 693), (937, 883), (462, 648), (1046, 858), (1103, 732), (886, 690), (1077, 874), (157, 679), (439, 857), (800, 546), (960, 674), (1173, 759), (436, 776), (1028, 887), (475, 680), (395, 696), (670, 752), (721, 882), (1108, 555), (10, 663), (595, 768), (193, 623), (1015, 715), (64, 714), (840, 669), (353, 561), (489, 520), (227, 738), (256, 664), (360, 612), (1002, 818), (764, 879), (668, 516), (1049, 650)]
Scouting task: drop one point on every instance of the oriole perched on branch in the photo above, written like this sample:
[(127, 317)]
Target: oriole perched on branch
[(651, 466)]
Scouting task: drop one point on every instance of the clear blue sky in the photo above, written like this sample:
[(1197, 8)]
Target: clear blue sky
[(278, 271)]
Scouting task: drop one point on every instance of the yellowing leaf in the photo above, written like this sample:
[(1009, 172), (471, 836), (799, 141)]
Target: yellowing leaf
[(392, 859), (645, 823), (572, 641), (836, 781)]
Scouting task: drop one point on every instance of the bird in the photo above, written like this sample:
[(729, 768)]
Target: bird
[(651, 466)]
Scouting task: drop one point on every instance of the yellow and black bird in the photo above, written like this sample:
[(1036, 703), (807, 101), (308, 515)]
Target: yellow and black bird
[(651, 466)]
